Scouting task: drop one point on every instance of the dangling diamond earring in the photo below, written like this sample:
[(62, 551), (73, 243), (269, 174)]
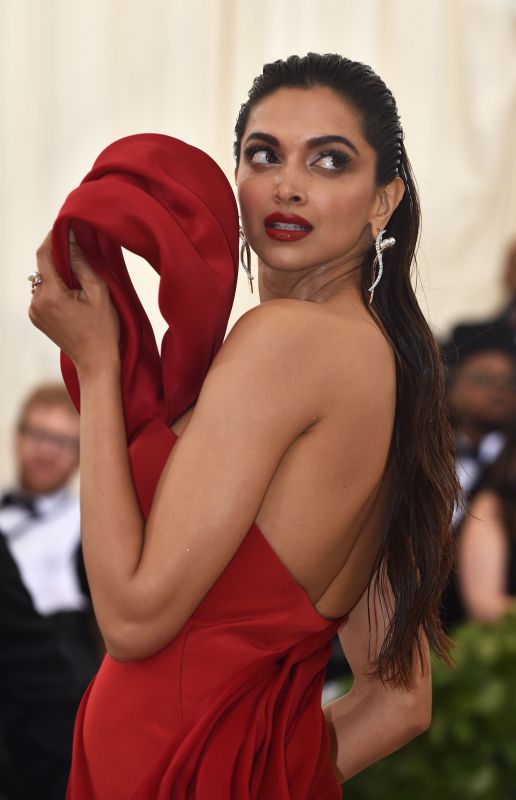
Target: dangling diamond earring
[(245, 258), (380, 245)]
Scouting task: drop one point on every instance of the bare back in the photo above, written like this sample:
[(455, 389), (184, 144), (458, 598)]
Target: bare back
[(325, 508)]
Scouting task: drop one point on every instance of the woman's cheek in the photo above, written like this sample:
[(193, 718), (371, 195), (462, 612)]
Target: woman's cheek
[(250, 200), (352, 205)]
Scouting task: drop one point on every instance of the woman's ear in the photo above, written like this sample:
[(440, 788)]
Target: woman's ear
[(386, 202)]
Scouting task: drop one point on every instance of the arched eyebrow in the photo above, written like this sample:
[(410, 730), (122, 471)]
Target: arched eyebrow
[(317, 141)]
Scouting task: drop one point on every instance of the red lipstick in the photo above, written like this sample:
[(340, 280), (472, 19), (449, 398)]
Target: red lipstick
[(286, 227)]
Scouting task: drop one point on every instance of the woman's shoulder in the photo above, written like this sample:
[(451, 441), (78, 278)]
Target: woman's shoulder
[(339, 359), (275, 314), (275, 329), (289, 323)]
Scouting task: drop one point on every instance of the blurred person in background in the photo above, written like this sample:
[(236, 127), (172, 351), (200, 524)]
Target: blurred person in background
[(481, 380), (487, 541), (40, 520), (481, 397)]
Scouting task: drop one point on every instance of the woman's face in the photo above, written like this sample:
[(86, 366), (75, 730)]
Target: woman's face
[(306, 181)]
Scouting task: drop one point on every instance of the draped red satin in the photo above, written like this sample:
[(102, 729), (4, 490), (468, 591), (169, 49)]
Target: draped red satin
[(231, 707)]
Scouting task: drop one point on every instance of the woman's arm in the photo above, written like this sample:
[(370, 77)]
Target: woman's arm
[(146, 580), (373, 720), (482, 560)]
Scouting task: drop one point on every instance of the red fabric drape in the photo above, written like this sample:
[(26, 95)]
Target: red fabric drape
[(171, 204)]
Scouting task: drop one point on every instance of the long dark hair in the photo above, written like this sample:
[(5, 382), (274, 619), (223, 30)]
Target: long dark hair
[(416, 554)]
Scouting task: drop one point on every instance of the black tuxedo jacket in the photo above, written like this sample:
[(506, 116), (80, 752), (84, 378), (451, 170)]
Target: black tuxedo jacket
[(37, 692)]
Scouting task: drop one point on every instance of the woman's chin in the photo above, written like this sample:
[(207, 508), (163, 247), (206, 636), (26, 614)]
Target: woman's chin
[(288, 259)]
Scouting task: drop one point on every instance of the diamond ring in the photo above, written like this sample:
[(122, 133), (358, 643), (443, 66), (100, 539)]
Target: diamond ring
[(36, 279)]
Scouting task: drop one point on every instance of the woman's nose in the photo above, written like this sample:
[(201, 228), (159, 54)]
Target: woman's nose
[(289, 187)]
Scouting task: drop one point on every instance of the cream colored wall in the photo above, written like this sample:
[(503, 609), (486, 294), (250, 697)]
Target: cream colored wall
[(75, 76)]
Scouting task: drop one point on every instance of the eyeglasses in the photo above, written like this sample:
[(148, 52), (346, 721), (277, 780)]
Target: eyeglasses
[(488, 379), (59, 440)]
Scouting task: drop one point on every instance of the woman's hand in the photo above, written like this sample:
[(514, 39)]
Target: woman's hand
[(82, 322)]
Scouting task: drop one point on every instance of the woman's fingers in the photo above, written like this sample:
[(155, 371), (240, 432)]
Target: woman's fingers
[(79, 264), (47, 266), (83, 323), (82, 268)]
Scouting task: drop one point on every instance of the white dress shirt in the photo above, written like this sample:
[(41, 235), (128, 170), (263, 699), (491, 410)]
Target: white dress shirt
[(471, 465), (45, 550)]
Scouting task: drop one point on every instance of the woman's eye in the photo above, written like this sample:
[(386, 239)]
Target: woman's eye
[(333, 160), (260, 155)]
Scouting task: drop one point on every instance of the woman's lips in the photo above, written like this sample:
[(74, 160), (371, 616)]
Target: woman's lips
[(287, 227)]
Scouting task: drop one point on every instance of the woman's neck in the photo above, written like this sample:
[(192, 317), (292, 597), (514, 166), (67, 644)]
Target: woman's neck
[(317, 285)]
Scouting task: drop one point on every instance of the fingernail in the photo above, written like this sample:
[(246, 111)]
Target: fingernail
[(71, 235)]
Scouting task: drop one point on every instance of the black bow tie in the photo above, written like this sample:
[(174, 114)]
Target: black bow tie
[(16, 500)]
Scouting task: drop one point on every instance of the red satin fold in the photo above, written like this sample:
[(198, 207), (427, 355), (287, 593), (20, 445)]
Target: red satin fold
[(230, 709), (171, 204)]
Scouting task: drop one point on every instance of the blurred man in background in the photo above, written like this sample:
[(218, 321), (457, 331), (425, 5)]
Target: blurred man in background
[(481, 396), (40, 520)]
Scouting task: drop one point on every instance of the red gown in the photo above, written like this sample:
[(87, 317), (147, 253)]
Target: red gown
[(230, 709)]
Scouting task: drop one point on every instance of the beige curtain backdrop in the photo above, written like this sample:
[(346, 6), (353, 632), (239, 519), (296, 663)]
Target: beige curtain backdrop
[(75, 76)]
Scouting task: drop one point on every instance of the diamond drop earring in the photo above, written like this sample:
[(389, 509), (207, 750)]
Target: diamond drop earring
[(245, 258), (380, 244)]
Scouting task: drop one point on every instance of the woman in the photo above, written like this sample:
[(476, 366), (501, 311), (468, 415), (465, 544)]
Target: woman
[(322, 425), (487, 542)]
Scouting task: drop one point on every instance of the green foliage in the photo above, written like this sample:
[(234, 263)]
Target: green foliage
[(470, 748)]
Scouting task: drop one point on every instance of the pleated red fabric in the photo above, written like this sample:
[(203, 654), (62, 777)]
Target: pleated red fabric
[(231, 707)]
